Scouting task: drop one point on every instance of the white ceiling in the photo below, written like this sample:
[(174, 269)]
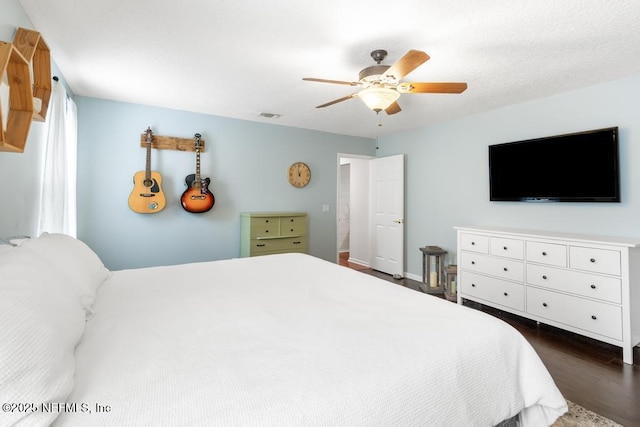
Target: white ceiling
[(237, 58)]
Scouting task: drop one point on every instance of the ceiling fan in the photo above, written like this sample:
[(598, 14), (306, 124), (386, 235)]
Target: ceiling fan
[(382, 86)]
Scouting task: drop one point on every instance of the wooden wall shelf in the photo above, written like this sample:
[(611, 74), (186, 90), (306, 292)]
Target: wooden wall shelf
[(171, 143), (33, 47), (14, 138)]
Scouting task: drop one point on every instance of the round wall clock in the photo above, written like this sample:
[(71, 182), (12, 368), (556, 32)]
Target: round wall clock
[(299, 174)]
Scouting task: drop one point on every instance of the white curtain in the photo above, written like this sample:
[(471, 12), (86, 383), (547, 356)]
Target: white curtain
[(58, 203)]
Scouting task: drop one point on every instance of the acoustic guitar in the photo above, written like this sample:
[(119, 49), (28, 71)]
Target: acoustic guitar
[(147, 196), (197, 198)]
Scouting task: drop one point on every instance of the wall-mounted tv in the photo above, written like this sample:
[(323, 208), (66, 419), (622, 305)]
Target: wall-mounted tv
[(577, 167)]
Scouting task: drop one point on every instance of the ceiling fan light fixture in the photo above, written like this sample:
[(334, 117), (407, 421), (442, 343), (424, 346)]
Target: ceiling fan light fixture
[(378, 98)]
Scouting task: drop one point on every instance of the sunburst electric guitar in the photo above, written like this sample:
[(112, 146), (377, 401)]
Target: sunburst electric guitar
[(197, 198), (147, 196)]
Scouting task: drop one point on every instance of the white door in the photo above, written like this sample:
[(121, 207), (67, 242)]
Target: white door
[(388, 214)]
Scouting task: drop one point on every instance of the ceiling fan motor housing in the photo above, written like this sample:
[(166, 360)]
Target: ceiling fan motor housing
[(373, 73)]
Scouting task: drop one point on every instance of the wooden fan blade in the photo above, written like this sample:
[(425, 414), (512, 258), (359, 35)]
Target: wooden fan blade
[(337, 82), (421, 87), (393, 109), (409, 62), (335, 101)]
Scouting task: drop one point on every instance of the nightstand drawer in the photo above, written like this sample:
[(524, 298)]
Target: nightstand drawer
[(547, 253), (596, 317), (509, 248), (474, 243), (500, 267), (582, 284), (498, 291), (596, 260)]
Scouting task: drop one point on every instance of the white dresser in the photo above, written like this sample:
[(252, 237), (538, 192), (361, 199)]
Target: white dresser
[(586, 284)]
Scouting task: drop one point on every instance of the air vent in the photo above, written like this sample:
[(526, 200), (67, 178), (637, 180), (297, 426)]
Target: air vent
[(269, 115)]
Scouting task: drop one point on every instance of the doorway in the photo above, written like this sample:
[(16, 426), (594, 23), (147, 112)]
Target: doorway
[(363, 193), (353, 212)]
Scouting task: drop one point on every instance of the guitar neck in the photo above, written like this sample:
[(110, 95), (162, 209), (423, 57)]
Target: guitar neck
[(197, 157), (147, 172)]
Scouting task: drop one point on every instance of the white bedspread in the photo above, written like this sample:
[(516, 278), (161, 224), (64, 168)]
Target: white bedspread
[(293, 340)]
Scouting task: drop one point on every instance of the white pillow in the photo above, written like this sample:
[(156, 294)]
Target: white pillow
[(41, 322), (83, 269)]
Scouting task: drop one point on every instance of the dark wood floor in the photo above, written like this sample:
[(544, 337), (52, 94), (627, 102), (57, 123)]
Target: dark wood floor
[(587, 372)]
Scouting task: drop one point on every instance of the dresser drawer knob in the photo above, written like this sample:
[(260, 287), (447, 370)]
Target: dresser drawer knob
[(473, 285), (261, 245), (291, 219), (544, 254), (594, 317), (593, 286), (504, 247), (297, 243), (505, 269), (506, 294), (544, 277), (544, 304), (291, 230), (473, 263), (592, 260), (266, 220)]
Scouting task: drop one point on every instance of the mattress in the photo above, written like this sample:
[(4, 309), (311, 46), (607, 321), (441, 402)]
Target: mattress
[(290, 339)]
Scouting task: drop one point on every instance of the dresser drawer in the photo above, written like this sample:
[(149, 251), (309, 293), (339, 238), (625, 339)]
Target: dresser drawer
[(493, 290), (474, 242), (596, 317), (500, 267), (509, 248), (547, 253), (288, 244), (582, 284), (596, 260), (293, 226), (264, 227)]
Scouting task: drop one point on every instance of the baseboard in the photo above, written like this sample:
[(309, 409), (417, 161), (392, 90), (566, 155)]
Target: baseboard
[(358, 261), (415, 277)]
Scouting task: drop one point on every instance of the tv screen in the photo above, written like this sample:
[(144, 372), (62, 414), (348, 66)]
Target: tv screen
[(577, 167)]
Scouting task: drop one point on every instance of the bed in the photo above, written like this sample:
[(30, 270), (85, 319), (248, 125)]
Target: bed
[(277, 340)]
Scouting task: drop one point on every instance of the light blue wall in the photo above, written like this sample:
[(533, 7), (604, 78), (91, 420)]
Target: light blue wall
[(447, 168), (246, 161)]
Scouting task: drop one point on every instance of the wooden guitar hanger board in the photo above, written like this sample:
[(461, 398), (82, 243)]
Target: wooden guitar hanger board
[(171, 143)]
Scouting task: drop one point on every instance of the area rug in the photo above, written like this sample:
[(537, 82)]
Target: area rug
[(577, 416)]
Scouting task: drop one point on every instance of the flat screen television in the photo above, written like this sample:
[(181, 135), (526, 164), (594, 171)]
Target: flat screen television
[(577, 167)]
